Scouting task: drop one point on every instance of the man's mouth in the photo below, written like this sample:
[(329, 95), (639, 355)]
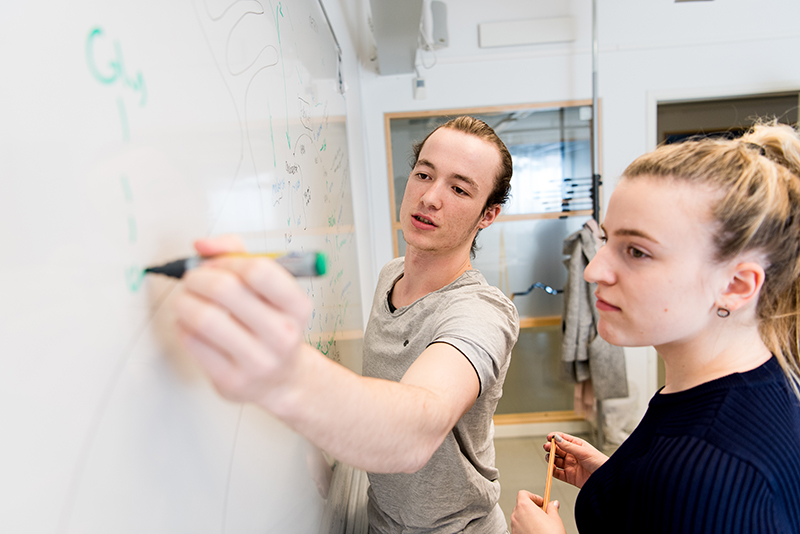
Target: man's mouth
[(424, 220)]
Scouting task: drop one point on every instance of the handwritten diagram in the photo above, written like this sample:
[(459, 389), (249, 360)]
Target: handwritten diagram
[(280, 73), (282, 84), (190, 119)]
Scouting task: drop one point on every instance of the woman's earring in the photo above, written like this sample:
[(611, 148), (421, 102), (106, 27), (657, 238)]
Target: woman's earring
[(723, 312)]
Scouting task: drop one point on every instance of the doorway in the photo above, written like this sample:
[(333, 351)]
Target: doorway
[(729, 117)]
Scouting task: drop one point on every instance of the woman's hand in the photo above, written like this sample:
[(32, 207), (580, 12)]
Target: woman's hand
[(529, 518), (575, 459)]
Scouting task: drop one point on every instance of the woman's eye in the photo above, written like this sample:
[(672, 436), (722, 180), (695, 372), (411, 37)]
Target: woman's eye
[(604, 239), (459, 191), (636, 253), (422, 176)]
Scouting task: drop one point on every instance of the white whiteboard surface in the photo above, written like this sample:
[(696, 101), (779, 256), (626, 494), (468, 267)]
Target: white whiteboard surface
[(128, 130)]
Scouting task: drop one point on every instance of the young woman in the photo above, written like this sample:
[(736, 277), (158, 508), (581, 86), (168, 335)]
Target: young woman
[(701, 260)]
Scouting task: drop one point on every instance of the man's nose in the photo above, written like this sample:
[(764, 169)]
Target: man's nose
[(433, 195)]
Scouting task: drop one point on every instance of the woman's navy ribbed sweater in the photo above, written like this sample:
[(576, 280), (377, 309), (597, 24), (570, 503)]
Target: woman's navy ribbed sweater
[(723, 457)]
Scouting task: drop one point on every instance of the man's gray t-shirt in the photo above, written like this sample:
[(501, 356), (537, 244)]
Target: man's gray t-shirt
[(457, 490)]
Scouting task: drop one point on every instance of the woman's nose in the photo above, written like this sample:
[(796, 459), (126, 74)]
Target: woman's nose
[(599, 270)]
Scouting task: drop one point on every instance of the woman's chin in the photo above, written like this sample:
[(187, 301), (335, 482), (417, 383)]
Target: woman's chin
[(610, 334)]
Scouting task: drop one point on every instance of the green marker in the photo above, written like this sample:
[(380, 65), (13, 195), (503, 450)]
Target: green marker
[(297, 263)]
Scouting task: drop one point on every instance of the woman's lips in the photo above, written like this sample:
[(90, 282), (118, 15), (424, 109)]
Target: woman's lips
[(605, 306)]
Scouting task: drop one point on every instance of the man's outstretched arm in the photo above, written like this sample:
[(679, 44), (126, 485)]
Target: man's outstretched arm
[(242, 319)]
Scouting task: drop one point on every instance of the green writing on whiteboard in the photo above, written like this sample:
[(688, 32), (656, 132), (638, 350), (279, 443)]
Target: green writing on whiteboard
[(134, 276), (126, 188), (109, 68)]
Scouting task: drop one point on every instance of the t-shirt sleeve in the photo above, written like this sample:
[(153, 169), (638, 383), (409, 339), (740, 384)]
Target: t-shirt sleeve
[(484, 328)]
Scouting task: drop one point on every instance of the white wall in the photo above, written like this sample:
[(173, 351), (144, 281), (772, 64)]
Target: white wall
[(650, 50), (345, 17)]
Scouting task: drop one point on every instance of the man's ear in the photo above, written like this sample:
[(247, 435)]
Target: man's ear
[(489, 215), (744, 285)]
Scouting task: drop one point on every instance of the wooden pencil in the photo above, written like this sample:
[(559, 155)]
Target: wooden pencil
[(549, 479)]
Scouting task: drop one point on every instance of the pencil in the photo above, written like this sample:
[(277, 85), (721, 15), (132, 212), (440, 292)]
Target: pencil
[(549, 479)]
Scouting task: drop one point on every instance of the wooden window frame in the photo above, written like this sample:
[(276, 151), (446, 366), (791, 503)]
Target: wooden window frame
[(455, 112), (525, 322)]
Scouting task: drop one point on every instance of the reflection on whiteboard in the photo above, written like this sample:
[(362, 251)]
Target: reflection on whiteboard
[(128, 132)]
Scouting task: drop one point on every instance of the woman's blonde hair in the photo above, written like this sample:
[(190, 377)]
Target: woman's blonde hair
[(758, 176)]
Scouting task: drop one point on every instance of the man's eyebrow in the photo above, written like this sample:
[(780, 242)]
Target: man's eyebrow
[(631, 232), (466, 179)]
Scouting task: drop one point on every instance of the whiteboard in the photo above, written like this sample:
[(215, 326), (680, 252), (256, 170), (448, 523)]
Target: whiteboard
[(128, 130)]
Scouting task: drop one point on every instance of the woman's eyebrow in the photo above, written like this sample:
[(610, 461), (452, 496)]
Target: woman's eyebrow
[(631, 232)]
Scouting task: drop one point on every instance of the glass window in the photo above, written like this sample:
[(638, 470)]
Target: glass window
[(551, 198)]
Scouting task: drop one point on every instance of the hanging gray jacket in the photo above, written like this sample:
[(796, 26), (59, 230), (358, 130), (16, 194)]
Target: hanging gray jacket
[(584, 354)]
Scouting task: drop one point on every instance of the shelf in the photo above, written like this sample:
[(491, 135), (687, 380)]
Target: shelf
[(536, 417), (534, 322), (548, 215)]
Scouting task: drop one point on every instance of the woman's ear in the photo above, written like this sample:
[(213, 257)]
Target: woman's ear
[(744, 285)]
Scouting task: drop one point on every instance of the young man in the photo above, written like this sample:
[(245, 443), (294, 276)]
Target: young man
[(436, 347)]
